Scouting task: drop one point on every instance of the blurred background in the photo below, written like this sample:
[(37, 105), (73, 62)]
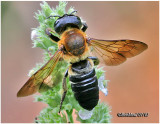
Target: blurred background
[(133, 85)]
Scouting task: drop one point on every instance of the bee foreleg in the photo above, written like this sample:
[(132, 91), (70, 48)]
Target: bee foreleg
[(64, 85), (54, 38), (95, 60), (84, 27)]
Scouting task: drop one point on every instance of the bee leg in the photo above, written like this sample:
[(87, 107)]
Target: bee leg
[(95, 60), (53, 38), (64, 89), (84, 27)]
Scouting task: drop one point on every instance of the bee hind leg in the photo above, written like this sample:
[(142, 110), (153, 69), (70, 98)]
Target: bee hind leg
[(64, 85)]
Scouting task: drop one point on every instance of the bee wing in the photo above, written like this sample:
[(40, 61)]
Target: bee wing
[(41, 78), (115, 52)]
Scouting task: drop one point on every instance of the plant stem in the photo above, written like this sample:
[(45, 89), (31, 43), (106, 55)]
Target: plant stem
[(69, 115)]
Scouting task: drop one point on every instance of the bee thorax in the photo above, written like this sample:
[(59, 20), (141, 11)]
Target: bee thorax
[(75, 43)]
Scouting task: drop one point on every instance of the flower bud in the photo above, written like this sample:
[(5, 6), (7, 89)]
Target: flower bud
[(34, 35), (31, 72), (51, 48), (68, 107)]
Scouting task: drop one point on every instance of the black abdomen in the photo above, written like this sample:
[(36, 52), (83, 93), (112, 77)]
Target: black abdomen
[(85, 86)]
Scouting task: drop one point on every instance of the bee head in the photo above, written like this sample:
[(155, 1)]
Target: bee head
[(66, 21)]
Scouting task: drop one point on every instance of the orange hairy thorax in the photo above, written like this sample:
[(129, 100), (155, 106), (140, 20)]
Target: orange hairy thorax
[(75, 45)]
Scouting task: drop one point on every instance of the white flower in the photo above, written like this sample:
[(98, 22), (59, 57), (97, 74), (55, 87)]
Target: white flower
[(101, 83), (85, 114)]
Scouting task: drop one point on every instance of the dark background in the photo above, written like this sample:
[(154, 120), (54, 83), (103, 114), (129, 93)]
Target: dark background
[(133, 85)]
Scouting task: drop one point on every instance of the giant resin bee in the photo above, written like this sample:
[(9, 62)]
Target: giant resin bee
[(74, 47)]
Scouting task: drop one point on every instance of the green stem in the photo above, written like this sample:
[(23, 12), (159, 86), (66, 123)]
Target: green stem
[(69, 115)]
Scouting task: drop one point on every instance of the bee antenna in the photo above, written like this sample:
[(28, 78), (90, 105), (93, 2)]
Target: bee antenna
[(53, 16), (75, 11)]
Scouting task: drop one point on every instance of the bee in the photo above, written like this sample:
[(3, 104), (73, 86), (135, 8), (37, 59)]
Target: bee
[(74, 47)]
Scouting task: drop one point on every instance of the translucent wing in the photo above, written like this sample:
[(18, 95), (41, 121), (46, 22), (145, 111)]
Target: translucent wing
[(42, 78), (115, 52)]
